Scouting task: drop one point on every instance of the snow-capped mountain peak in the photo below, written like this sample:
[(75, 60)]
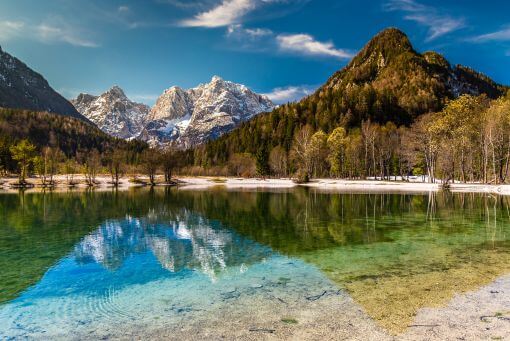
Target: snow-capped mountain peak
[(116, 91), (181, 117), (113, 112), (216, 78), (190, 117)]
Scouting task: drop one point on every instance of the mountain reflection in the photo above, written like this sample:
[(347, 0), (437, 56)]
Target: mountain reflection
[(178, 241)]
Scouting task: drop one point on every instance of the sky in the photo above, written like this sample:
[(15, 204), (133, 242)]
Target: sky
[(282, 48)]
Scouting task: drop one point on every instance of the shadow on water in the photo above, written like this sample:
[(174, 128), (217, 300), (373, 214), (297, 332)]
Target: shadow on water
[(394, 253)]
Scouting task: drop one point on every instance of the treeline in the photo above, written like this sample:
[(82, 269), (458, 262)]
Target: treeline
[(48, 161), (45, 144), (467, 141), (72, 136)]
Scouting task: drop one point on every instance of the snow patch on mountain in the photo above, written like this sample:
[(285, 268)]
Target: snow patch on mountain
[(23, 88), (189, 117), (183, 118), (113, 112), (458, 87)]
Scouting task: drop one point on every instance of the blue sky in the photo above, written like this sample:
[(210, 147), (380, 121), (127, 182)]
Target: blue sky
[(284, 48)]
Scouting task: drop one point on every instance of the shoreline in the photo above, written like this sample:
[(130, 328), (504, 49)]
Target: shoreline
[(207, 182), (336, 185)]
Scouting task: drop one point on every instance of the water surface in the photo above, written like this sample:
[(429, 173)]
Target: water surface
[(125, 264)]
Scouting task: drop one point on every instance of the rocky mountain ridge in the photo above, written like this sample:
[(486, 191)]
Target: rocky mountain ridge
[(183, 118), (190, 117), (389, 73), (113, 112), (23, 88)]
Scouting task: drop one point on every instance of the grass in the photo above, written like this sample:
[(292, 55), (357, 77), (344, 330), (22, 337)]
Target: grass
[(289, 320)]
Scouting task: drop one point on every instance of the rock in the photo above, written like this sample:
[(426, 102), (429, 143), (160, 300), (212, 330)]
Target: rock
[(189, 117), (113, 112), (23, 88)]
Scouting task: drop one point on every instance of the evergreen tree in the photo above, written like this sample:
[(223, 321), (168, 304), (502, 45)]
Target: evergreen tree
[(262, 161)]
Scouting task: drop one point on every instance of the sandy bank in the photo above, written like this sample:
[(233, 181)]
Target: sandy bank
[(338, 185), (103, 182), (200, 183)]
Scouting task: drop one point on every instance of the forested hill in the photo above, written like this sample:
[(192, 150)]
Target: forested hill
[(71, 135), (388, 81)]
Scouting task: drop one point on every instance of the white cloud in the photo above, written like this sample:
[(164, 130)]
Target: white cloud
[(265, 40), (438, 24), (239, 31), (258, 32), (405, 5), (52, 34), (502, 35), (305, 44), (290, 93), (259, 40), (185, 4), (227, 13), (10, 30), (46, 33)]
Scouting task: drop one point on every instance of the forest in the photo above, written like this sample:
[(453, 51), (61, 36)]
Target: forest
[(44, 144), (467, 141), (391, 112)]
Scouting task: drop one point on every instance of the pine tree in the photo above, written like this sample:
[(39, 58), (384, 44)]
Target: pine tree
[(262, 161)]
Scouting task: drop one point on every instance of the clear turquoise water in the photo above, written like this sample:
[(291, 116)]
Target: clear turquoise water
[(133, 274), (103, 265)]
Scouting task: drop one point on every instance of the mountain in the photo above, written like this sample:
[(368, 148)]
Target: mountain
[(387, 81), (189, 117), (23, 88), (113, 112)]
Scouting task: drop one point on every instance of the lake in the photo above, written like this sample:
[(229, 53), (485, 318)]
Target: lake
[(296, 263)]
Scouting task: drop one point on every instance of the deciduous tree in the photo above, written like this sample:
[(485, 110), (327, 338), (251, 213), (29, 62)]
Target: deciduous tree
[(23, 152)]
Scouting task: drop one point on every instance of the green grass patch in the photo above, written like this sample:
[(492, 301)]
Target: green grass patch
[(289, 320)]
